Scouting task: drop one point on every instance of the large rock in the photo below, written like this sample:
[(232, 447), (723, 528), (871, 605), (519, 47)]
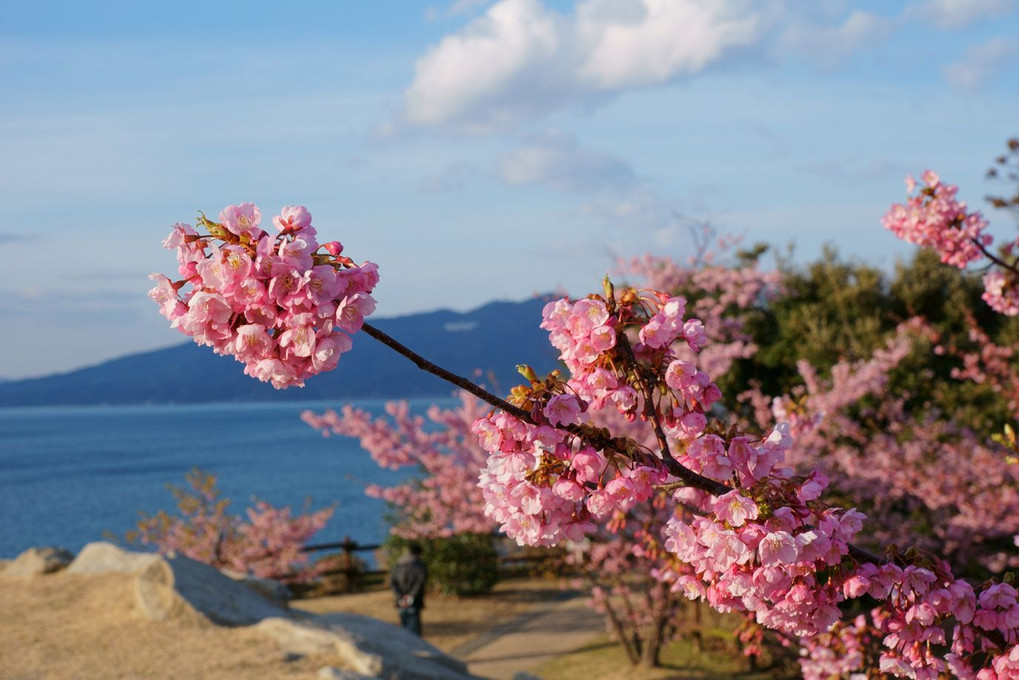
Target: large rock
[(274, 591), (330, 673), (101, 557), (177, 587), (36, 561), (368, 646)]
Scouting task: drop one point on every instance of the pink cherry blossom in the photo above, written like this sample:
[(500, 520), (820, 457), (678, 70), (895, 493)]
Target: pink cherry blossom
[(293, 218), (735, 509), (563, 409), (274, 302), (242, 220)]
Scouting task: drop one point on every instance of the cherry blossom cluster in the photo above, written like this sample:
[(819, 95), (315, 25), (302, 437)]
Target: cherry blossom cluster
[(273, 301), (760, 547), (585, 333), (918, 606), (840, 652), (935, 219), (545, 482), (1001, 291), (763, 547), (774, 549), (524, 495)]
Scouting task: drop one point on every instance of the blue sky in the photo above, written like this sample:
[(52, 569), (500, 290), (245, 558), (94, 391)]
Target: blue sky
[(475, 150)]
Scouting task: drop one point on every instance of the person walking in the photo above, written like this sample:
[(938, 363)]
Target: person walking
[(408, 581)]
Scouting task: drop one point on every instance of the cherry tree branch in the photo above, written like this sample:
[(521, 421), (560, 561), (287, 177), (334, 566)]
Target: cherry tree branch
[(436, 370), (994, 258), (650, 412), (620, 444)]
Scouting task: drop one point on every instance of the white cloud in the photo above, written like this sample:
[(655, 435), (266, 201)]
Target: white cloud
[(980, 64), (832, 44), (636, 209), (613, 193), (634, 45), (958, 13), (468, 75), (557, 160), (522, 59)]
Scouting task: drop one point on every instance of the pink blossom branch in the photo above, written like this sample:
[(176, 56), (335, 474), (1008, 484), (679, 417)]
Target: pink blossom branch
[(675, 468), (622, 445)]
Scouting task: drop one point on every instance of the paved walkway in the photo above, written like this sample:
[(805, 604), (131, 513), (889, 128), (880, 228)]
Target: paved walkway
[(551, 629)]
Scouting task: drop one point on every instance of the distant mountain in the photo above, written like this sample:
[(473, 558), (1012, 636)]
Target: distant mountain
[(492, 339)]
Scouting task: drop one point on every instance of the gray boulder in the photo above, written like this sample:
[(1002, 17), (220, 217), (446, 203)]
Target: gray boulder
[(274, 591), (370, 647), (180, 587), (100, 557), (330, 673), (36, 561)]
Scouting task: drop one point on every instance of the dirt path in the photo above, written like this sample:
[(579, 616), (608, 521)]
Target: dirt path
[(519, 626), (552, 628)]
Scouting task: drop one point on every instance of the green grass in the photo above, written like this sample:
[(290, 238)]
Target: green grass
[(605, 660)]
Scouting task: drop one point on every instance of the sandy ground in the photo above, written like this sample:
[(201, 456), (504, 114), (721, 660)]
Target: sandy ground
[(83, 627), (80, 627)]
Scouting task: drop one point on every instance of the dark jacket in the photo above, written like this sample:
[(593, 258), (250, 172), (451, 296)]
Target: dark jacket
[(408, 578)]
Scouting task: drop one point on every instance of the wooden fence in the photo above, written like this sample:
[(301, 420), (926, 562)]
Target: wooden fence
[(353, 572)]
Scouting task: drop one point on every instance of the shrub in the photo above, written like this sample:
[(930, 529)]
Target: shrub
[(463, 564)]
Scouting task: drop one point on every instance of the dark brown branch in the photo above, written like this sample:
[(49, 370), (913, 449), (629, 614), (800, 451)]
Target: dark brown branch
[(464, 384), (994, 258), (650, 412), (691, 478)]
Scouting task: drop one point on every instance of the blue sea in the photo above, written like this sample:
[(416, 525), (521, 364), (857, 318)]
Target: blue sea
[(72, 475)]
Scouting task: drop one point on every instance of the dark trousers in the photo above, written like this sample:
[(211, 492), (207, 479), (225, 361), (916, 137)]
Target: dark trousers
[(410, 618)]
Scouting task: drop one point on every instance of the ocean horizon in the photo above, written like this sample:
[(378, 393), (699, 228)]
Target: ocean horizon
[(71, 475)]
